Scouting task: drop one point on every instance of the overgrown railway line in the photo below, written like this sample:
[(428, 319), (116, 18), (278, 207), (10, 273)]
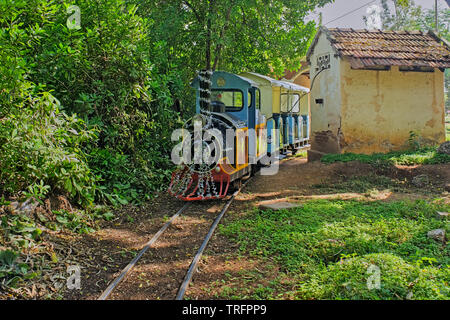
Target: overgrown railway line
[(194, 263)]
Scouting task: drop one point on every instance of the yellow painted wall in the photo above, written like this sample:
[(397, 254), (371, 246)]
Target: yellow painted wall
[(303, 80), (276, 93), (266, 93), (380, 108)]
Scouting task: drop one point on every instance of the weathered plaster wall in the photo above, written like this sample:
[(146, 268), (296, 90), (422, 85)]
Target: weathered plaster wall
[(325, 118), (380, 108), (305, 101)]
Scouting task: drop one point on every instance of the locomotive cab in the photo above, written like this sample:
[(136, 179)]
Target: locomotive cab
[(234, 105)]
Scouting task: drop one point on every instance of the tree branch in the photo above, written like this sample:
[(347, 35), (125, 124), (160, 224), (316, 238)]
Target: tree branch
[(220, 46), (187, 3)]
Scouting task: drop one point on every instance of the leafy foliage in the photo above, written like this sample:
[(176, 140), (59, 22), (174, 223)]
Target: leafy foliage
[(118, 76), (328, 245), (101, 73), (398, 280), (40, 147), (237, 35), (400, 19), (20, 231), (409, 16), (12, 271)]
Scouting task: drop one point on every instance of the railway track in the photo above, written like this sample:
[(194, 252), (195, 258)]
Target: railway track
[(193, 266)]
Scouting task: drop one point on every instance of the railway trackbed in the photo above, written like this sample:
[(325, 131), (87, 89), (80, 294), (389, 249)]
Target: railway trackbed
[(116, 288)]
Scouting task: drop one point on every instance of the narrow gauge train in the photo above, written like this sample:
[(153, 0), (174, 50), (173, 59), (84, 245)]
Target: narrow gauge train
[(268, 118)]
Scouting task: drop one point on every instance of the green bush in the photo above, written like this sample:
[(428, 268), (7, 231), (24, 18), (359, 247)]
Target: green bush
[(40, 151), (104, 74), (312, 242), (40, 146), (352, 278), (122, 181)]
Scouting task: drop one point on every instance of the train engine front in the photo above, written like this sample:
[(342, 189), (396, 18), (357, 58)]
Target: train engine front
[(213, 154)]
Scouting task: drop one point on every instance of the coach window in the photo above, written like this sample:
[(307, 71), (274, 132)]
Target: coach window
[(295, 103), (232, 99), (258, 98), (284, 102)]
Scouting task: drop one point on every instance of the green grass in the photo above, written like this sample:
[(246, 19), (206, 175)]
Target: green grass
[(410, 157), (327, 246), (301, 154), (363, 184)]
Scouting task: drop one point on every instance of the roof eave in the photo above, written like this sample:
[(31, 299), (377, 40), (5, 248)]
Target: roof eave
[(439, 39), (330, 38)]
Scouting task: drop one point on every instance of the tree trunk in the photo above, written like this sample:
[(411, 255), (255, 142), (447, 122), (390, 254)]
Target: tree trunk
[(219, 46), (205, 75), (208, 36)]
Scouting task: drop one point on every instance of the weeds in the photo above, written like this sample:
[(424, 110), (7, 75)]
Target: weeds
[(24, 252), (361, 184), (335, 239), (427, 155), (11, 270)]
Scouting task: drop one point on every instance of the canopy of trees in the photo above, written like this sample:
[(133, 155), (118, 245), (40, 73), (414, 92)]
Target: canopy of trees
[(406, 15), (88, 111)]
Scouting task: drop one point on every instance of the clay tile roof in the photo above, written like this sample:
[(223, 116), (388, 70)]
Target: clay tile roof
[(368, 48)]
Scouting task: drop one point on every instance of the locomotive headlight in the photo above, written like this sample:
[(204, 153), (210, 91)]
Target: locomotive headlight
[(217, 169)]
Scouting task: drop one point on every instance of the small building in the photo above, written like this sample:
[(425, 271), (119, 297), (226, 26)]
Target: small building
[(370, 89)]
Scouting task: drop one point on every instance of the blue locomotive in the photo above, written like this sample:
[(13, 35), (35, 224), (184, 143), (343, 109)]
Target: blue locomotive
[(248, 121)]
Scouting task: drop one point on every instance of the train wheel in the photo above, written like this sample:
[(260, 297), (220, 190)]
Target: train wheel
[(255, 169), (293, 149)]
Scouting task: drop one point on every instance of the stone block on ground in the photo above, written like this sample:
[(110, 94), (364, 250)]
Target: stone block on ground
[(447, 187), (279, 205), (444, 148), (442, 215), (421, 180), (437, 234)]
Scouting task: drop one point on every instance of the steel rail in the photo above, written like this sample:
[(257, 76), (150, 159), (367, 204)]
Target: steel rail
[(196, 260), (127, 269)]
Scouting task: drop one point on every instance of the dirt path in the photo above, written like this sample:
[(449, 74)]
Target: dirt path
[(161, 270), (222, 268)]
